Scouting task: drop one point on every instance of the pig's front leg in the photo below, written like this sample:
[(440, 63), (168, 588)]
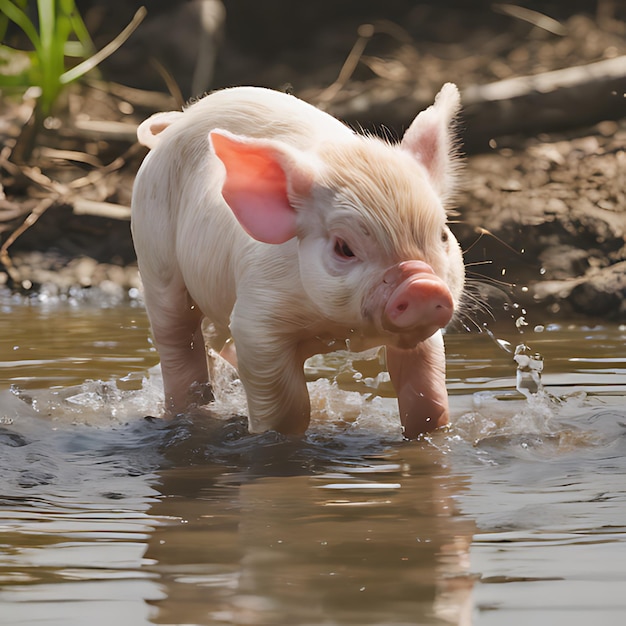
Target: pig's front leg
[(271, 369), (419, 378)]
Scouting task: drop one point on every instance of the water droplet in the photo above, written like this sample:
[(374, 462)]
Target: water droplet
[(520, 322), (529, 368), (505, 345)]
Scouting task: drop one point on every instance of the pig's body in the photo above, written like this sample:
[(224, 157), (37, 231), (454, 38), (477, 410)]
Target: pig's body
[(346, 240)]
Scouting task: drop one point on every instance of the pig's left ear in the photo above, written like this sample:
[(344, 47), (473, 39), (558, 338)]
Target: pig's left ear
[(429, 138), (261, 175)]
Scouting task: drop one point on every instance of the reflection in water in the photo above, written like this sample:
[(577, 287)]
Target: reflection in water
[(514, 515), (74, 521), (246, 529), (306, 538)]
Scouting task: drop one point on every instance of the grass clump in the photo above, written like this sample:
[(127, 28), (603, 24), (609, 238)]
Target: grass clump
[(61, 50)]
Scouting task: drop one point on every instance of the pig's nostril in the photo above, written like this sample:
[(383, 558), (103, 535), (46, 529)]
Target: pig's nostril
[(403, 306)]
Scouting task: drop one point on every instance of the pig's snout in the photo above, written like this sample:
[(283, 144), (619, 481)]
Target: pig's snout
[(420, 298)]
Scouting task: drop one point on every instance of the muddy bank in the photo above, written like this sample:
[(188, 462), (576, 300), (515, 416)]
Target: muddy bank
[(541, 214)]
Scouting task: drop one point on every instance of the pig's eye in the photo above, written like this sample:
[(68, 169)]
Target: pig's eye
[(342, 249)]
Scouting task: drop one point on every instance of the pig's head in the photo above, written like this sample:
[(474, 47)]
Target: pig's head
[(375, 253)]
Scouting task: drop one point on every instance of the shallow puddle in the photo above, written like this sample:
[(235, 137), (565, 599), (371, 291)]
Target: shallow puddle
[(514, 515)]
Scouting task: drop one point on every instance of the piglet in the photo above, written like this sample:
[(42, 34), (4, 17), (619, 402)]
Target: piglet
[(288, 232)]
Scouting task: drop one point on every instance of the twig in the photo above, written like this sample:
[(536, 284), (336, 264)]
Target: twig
[(106, 129), (61, 193), (170, 82), (33, 216), (153, 100), (365, 32), (70, 155), (100, 173), (532, 17), (101, 209)]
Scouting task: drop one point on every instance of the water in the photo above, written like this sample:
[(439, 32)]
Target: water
[(514, 515)]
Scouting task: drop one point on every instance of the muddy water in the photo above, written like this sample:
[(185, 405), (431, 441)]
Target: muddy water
[(515, 515)]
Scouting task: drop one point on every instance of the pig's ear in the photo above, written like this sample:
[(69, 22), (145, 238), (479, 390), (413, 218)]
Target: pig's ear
[(260, 174), (429, 138)]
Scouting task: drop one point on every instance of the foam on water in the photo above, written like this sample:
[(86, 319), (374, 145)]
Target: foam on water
[(335, 411), (530, 417), (98, 402), (62, 427)]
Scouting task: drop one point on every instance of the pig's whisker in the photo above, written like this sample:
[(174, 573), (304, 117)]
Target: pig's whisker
[(480, 278), (473, 302), (483, 231)]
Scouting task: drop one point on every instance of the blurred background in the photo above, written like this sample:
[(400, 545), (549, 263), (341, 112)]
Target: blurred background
[(541, 214)]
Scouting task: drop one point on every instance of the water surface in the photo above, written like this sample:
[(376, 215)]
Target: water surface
[(516, 514)]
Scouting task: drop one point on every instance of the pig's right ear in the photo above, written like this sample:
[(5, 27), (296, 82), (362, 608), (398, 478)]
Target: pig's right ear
[(260, 175), (429, 138)]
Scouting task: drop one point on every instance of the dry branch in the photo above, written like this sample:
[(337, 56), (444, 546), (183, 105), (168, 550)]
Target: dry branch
[(557, 100), (59, 193), (108, 210), (576, 96)]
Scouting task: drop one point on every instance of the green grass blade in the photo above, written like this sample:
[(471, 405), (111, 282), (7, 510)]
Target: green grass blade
[(51, 59), (78, 27), (46, 24), (91, 62), (4, 24), (15, 14)]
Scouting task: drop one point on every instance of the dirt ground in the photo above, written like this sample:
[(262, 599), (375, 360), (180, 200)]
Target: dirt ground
[(542, 212)]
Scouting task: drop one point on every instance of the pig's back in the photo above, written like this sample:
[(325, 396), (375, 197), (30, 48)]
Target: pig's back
[(180, 160), (264, 113)]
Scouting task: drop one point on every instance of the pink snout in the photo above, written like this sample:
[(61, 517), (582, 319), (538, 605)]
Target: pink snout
[(421, 298)]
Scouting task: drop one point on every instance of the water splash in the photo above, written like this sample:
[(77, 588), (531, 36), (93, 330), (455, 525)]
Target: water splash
[(98, 402), (529, 368), (502, 414), (529, 363)]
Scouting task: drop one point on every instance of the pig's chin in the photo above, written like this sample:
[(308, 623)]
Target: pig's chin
[(409, 339)]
